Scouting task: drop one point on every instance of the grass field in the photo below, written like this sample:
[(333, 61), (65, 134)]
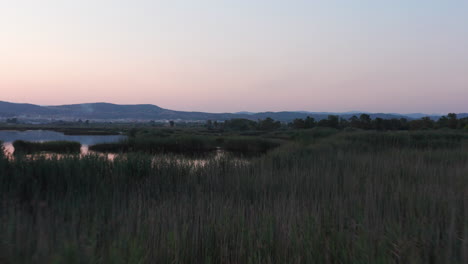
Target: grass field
[(324, 197)]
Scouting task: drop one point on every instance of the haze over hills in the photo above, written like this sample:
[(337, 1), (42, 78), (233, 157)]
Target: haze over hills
[(147, 112)]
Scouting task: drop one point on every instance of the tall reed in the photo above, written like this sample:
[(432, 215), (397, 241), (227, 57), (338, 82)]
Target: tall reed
[(332, 201), (27, 147)]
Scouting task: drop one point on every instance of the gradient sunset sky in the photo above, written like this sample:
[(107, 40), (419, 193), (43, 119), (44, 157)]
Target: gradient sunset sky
[(239, 55)]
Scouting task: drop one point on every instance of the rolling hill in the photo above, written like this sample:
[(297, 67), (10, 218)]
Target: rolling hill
[(142, 112)]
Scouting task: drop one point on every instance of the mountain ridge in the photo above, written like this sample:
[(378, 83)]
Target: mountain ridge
[(143, 112)]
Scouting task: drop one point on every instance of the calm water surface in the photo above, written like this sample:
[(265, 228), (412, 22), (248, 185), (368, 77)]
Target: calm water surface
[(9, 136)]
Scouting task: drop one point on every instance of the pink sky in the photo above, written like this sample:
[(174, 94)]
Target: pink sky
[(226, 56)]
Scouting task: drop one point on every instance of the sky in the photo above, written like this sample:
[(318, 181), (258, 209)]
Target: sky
[(395, 56)]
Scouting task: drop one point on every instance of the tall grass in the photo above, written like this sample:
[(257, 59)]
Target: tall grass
[(181, 144), (327, 202), (249, 145), (189, 145), (27, 147), (414, 140)]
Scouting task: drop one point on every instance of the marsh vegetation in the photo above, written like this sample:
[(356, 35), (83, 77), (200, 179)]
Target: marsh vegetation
[(189, 145), (26, 147), (50, 142), (325, 196)]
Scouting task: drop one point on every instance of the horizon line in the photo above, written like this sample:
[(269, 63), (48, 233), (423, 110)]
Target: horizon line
[(244, 111)]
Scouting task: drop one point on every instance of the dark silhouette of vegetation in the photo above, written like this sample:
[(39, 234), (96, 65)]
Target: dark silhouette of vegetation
[(268, 124), (332, 121), (153, 145), (240, 124), (100, 130), (26, 147), (329, 196), (249, 145), (299, 123), (12, 121), (365, 122), (188, 144)]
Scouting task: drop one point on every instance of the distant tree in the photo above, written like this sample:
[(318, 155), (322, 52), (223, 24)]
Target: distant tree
[(463, 123), (332, 121), (12, 120), (171, 123), (354, 122), (309, 122), (403, 124), (379, 124), (427, 122), (209, 124), (344, 123), (442, 122), (391, 124), (298, 123), (268, 124), (240, 124), (365, 121), (423, 123), (452, 121), (416, 124), (395, 124)]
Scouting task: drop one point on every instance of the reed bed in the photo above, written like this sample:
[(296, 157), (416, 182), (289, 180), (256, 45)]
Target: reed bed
[(153, 145), (190, 145), (332, 201), (26, 147)]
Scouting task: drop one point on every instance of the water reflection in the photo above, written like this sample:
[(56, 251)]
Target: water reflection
[(9, 136), (9, 149), (85, 151), (47, 135)]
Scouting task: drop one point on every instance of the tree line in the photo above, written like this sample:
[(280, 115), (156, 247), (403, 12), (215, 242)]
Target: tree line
[(364, 122)]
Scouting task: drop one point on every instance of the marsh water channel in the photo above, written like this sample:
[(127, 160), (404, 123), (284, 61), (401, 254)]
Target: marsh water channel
[(10, 136)]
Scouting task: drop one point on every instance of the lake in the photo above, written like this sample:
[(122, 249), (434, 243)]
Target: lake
[(9, 136)]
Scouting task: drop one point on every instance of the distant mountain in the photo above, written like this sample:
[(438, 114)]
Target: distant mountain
[(108, 111), (245, 113), (146, 112), (416, 115), (103, 111), (421, 115), (13, 109)]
